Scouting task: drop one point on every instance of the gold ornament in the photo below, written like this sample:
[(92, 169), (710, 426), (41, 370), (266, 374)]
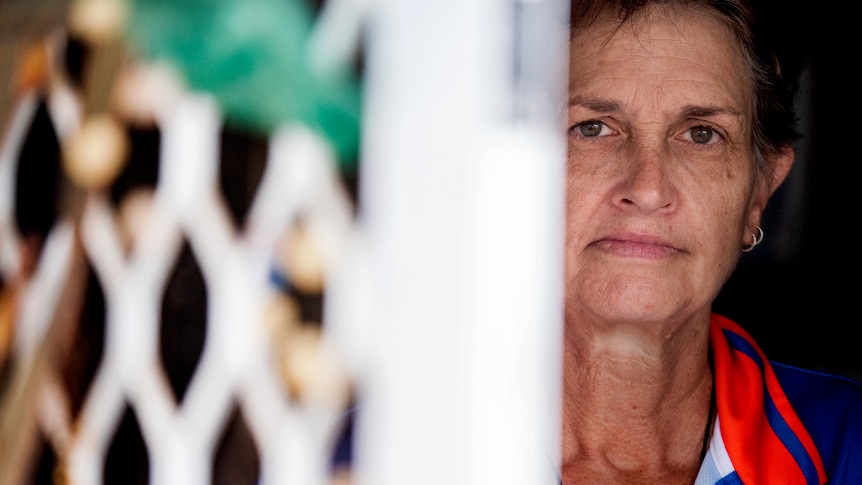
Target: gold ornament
[(94, 156)]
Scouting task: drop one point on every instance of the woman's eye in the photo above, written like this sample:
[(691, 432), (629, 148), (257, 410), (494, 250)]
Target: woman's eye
[(702, 135), (591, 128)]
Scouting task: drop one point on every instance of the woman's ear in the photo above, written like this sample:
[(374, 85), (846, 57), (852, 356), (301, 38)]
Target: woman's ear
[(780, 165)]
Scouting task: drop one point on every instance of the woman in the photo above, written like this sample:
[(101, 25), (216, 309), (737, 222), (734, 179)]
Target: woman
[(680, 130)]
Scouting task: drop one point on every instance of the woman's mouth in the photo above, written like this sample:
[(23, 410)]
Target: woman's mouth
[(636, 246)]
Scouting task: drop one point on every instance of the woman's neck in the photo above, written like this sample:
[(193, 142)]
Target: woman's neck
[(636, 402)]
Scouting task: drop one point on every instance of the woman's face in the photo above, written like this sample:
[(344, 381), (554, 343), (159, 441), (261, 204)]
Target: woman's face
[(661, 182)]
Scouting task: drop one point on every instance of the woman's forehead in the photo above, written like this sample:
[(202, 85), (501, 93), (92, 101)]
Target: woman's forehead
[(667, 54)]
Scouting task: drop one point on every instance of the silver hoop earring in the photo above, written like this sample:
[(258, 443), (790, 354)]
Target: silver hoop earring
[(755, 240)]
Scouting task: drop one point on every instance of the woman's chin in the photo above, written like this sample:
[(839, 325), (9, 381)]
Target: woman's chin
[(630, 299)]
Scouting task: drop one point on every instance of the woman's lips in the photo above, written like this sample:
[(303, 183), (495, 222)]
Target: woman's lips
[(636, 246)]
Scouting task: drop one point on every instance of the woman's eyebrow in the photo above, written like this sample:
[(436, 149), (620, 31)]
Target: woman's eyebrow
[(596, 104), (602, 105), (707, 111)]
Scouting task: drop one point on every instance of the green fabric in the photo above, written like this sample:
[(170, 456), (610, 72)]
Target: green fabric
[(251, 55)]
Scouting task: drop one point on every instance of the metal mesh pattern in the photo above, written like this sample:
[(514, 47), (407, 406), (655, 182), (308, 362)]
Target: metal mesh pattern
[(247, 313), (225, 325)]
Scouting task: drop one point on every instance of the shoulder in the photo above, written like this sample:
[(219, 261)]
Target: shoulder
[(830, 407), (822, 395)]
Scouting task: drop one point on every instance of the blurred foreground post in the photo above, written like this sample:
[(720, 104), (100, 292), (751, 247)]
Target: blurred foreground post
[(463, 183)]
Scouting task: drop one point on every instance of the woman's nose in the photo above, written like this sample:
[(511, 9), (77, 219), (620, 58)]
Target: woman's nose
[(645, 183)]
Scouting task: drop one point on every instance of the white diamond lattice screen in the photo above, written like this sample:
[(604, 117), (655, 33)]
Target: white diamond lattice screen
[(420, 306)]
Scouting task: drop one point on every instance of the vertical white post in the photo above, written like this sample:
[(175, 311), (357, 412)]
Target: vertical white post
[(462, 205)]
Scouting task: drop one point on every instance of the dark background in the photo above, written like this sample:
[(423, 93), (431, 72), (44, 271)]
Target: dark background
[(798, 292)]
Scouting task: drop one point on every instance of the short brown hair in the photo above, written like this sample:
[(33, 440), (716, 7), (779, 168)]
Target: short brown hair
[(773, 71)]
